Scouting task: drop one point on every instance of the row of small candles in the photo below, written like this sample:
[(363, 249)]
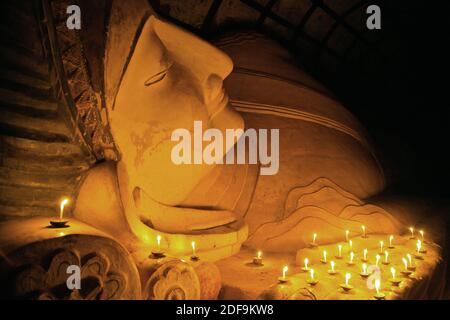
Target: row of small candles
[(407, 262)]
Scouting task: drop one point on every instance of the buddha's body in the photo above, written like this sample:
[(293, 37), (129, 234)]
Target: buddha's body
[(174, 79)]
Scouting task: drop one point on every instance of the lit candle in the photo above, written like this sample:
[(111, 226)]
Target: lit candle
[(405, 272), (386, 257), (421, 234), (258, 259), (314, 238), (339, 256), (346, 286), (305, 268), (364, 272), (377, 259), (158, 253), (61, 207), (194, 256), (312, 281), (391, 238), (332, 271), (379, 295), (419, 252), (350, 244), (363, 227), (346, 235), (60, 223), (394, 280), (283, 278), (350, 262), (364, 259), (381, 246), (324, 260), (411, 229), (410, 267)]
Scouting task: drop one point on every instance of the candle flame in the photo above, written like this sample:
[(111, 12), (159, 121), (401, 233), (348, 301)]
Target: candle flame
[(259, 254), (409, 259), (340, 249), (365, 254), (351, 256), (364, 268), (393, 272), (350, 243), (193, 247), (347, 277), (346, 234), (377, 285), (421, 233), (386, 256), (405, 262), (325, 255), (411, 229), (419, 245), (378, 259), (285, 269), (381, 245), (158, 240), (306, 263), (314, 237), (332, 266), (312, 274), (390, 240), (61, 207)]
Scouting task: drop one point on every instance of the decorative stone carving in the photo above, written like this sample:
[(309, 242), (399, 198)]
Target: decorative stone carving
[(174, 280)]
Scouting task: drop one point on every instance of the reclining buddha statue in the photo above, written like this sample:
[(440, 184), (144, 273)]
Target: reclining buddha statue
[(158, 78)]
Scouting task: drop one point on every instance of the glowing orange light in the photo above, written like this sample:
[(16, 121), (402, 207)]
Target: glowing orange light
[(347, 278), (285, 270), (259, 255), (386, 257), (311, 274), (377, 285), (332, 266), (158, 241), (363, 227), (405, 263), (390, 240), (340, 250), (411, 229), (306, 263), (419, 246), (346, 235), (364, 268), (365, 254), (393, 272), (324, 255), (314, 238), (61, 207)]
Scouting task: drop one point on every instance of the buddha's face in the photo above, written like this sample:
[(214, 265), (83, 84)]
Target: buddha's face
[(173, 79)]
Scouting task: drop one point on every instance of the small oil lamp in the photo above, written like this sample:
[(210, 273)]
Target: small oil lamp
[(339, 255), (422, 235), (364, 258), (346, 286), (312, 281), (158, 253), (410, 266), (391, 239), (411, 229), (386, 258), (347, 232), (313, 244), (332, 271), (194, 256), (350, 262), (379, 295), (395, 281), (258, 259), (60, 223), (420, 249), (324, 259), (364, 235), (283, 278), (364, 272), (377, 259), (305, 267), (406, 272)]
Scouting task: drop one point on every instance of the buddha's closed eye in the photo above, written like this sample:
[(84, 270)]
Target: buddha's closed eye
[(157, 77)]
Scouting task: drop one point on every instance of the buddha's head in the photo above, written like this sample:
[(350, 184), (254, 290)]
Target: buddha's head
[(172, 78)]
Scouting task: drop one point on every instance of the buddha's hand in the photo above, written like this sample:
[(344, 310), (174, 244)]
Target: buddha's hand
[(175, 219)]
